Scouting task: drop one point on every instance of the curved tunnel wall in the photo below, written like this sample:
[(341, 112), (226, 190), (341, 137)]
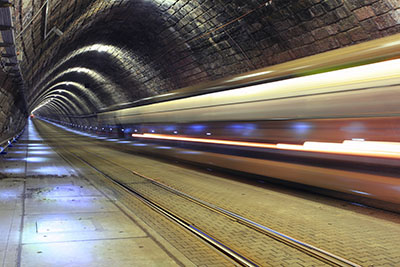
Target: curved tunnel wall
[(13, 112), (116, 52)]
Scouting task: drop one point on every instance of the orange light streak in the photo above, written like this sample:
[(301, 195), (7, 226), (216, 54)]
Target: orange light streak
[(203, 140), (348, 147)]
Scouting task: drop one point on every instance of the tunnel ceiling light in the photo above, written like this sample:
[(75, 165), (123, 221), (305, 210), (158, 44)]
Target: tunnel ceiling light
[(93, 98), (98, 78), (71, 95), (102, 49), (124, 58)]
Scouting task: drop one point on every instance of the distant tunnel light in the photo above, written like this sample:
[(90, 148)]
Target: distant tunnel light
[(349, 147)]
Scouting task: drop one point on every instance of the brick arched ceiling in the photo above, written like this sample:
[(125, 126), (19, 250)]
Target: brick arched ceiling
[(92, 54)]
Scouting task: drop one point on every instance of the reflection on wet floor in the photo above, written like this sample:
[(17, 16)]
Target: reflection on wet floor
[(33, 157), (65, 220)]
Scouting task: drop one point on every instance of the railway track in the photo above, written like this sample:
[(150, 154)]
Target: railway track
[(128, 180)]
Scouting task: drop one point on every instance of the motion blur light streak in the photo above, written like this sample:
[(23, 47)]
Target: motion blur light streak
[(314, 84), (360, 192), (191, 152), (197, 127), (323, 95), (393, 147), (203, 140), (341, 148), (169, 128), (301, 127), (372, 148), (329, 121)]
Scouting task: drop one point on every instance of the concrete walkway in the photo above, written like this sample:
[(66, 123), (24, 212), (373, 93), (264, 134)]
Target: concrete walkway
[(49, 216)]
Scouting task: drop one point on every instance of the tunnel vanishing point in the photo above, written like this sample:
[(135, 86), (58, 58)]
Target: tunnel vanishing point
[(199, 132), (69, 60)]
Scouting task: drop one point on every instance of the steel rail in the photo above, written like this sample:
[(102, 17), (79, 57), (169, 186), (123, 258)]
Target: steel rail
[(232, 254), (304, 247), (237, 257), (313, 251), (309, 249), (295, 243)]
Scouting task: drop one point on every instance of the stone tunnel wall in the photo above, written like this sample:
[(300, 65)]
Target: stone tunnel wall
[(13, 112), (153, 47)]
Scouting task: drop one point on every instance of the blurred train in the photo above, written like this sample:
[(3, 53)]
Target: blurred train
[(331, 120)]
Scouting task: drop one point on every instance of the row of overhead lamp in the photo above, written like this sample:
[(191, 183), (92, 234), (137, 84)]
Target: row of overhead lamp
[(122, 130), (103, 128)]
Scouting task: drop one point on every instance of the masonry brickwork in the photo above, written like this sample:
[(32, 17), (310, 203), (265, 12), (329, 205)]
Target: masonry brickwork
[(12, 107), (164, 45)]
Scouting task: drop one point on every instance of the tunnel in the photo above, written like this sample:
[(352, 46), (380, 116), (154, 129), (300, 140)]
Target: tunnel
[(199, 133)]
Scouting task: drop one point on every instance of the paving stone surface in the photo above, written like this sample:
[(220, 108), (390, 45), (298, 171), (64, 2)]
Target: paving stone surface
[(59, 217), (363, 235)]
